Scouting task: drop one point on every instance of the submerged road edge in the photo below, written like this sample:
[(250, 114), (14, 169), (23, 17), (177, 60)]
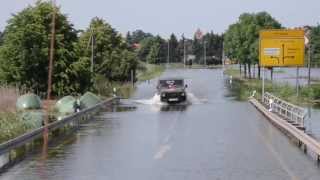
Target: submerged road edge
[(303, 138)]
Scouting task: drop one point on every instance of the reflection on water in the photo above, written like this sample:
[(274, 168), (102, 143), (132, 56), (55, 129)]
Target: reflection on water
[(155, 100), (124, 108), (156, 105), (173, 107)]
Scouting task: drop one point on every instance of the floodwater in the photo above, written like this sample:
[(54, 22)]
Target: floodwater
[(288, 75), (211, 137)]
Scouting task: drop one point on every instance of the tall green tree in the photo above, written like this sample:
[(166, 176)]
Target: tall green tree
[(163, 49), (173, 45), (181, 45), (112, 58), (213, 47), (153, 56), (137, 36), (24, 53), (197, 49), (145, 48), (241, 41), (149, 43)]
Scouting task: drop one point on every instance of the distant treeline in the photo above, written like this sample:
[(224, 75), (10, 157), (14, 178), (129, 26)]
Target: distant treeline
[(154, 49)]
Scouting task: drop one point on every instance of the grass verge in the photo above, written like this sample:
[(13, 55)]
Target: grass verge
[(10, 126)]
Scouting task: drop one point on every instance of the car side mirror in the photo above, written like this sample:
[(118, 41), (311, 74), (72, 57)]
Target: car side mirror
[(186, 86)]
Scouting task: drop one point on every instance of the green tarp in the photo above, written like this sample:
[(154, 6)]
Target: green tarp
[(28, 102), (29, 110), (65, 105), (32, 119), (88, 100)]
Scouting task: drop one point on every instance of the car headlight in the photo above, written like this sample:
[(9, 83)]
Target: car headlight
[(163, 94), (183, 94)]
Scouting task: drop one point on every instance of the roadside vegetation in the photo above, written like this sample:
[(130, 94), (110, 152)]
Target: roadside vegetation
[(10, 125), (25, 44), (244, 87)]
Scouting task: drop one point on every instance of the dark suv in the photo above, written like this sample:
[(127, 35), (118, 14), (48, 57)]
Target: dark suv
[(172, 90)]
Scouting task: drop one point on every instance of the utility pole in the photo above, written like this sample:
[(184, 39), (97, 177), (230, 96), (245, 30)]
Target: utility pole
[(92, 52), (52, 46), (204, 52), (91, 43), (168, 58), (297, 82), (184, 52), (50, 69), (309, 65), (223, 58)]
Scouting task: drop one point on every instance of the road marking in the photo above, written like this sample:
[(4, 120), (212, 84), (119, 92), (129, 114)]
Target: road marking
[(165, 147), (162, 152)]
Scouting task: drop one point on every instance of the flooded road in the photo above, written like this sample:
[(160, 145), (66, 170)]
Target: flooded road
[(214, 137)]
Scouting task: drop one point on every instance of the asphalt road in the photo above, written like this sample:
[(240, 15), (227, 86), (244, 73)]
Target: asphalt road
[(213, 137)]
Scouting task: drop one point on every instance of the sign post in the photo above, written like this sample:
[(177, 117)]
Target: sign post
[(263, 79), (281, 48), (297, 82)]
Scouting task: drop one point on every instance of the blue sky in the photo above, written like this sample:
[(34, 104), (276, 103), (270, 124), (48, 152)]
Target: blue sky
[(174, 16)]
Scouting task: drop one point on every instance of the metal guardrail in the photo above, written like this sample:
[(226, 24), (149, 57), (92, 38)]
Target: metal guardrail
[(290, 112), (74, 118)]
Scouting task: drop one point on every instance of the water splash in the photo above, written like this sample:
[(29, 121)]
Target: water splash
[(155, 100), (192, 99)]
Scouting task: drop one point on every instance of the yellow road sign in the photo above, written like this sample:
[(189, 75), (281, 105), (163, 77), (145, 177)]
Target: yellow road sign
[(281, 48)]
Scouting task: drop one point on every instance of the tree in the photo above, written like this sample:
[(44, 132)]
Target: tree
[(137, 36), (213, 47), (153, 56), (112, 58), (163, 49), (1, 36), (242, 38), (173, 44), (24, 52), (315, 45), (146, 46), (197, 48)]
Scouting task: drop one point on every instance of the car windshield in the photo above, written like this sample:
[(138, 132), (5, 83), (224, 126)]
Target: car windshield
[(170, 83)]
